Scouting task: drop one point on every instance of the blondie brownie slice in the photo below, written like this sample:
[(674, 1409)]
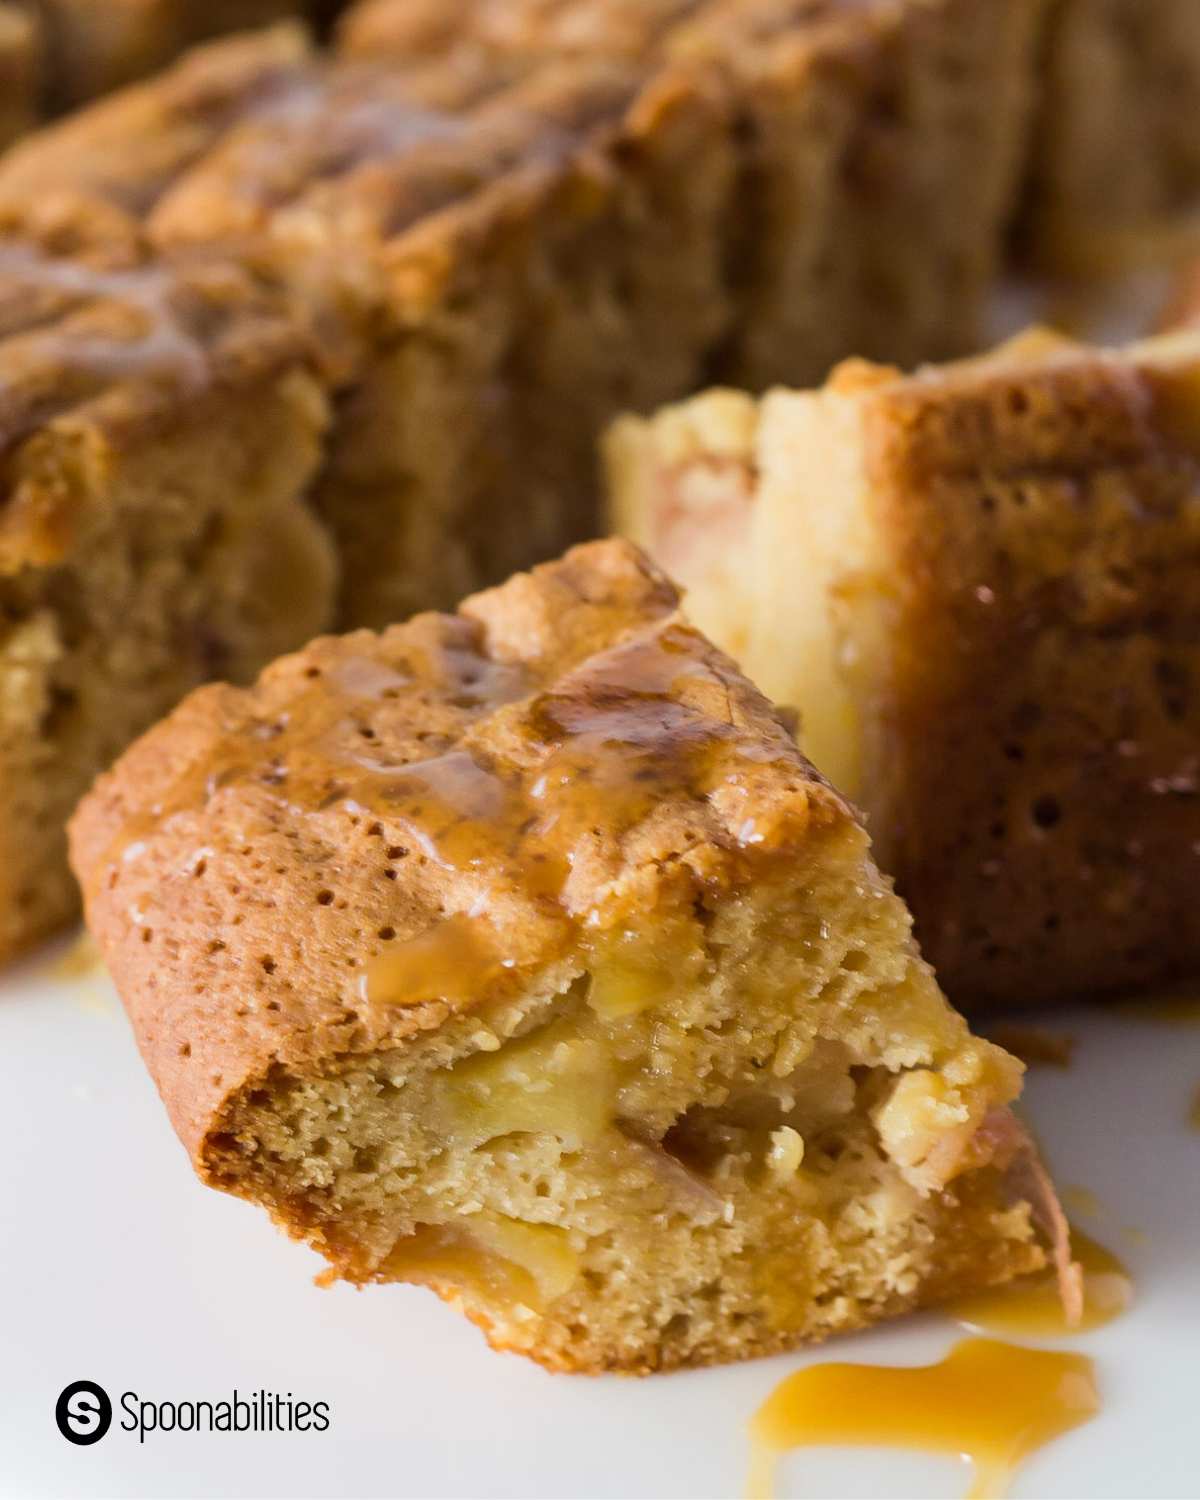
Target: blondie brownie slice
[(158, 428), (515, 256), (977, 584), (522, 219), (519, 953), (879, 150)]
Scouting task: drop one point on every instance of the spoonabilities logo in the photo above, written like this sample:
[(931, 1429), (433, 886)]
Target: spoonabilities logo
[(83, 1412)]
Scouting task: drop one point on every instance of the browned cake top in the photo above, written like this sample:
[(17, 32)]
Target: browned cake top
[(646, 30), (244, 132), (367, 152), (122, 151), (387, 828), (115, 349)]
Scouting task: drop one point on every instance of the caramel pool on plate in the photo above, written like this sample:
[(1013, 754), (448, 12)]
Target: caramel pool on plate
[(988, 1402), (1033, 1306)]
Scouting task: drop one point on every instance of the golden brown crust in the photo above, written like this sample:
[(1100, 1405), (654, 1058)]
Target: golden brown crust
[(111, 162), (538, 710), (1040, 513), (120, 353)]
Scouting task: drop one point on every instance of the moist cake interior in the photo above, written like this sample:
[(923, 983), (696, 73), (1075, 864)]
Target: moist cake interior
[(715, 1136)]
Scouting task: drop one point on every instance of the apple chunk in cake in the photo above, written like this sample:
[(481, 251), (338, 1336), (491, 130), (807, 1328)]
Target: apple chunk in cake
[(977, 584), (519, 953)]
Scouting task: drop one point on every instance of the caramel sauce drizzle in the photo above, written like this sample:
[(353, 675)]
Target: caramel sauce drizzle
[(647, 722), (124, 323), (989, 1402)]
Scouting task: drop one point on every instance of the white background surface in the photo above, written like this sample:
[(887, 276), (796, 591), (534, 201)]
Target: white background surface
[(116, 1266)]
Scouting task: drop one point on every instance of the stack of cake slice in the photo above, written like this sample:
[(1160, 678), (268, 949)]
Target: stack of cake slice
[(485, 253), (530, 240)]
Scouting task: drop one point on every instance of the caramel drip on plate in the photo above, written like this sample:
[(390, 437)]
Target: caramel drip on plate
[(991, 1403), (1033, 1305)]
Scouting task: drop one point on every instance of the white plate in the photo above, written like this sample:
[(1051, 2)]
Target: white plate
[(117, 1267)]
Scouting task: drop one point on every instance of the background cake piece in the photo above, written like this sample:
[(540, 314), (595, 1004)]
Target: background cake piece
[(517, 221), (500, 260), (91, 178), (159, 428), (883, 147), (519, 952), (624, 265), (880, 148), (978, 586), (20, 69), (1116, 159)]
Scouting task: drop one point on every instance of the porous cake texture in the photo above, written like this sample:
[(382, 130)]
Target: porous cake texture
[(158, 429), (977, 584), (518, 952)]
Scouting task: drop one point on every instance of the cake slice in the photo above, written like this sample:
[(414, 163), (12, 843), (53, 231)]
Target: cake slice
[(158, 427), (854, 123), (977, 584), (1116, 159), (518, 952), (516, 253), (509, 223)]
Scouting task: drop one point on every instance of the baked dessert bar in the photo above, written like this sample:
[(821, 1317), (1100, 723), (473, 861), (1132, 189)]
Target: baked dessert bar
[(506, 239), (20, 69), (854, 124), (1116, 159), (158, 428), (519, 953), (977, 584)]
